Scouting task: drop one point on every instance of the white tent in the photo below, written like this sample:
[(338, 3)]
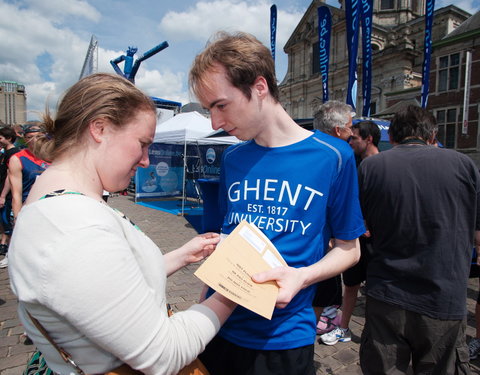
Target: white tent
[(190, 128)]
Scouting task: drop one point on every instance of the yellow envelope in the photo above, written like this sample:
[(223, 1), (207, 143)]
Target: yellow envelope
[(243, 253)]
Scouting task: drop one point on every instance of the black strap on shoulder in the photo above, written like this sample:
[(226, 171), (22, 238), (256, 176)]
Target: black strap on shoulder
[(64, 354)]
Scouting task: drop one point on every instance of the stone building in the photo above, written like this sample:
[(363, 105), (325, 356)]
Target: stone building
[(13, 103), (397, 44), (447, 87)]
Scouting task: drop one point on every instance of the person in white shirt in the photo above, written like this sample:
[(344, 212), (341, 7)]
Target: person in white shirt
[(92, 279)]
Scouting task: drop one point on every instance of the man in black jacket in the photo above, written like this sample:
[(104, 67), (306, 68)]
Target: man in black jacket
[(421, 205)]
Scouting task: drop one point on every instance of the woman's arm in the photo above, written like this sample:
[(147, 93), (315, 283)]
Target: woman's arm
[(108, 298), (193, 251)]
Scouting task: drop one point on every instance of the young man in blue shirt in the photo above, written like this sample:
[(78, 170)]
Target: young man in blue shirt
[(300, 188)]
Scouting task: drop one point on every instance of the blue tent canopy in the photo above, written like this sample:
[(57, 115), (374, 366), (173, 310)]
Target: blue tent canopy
[(164, 103), (382, 124), (307, 123)]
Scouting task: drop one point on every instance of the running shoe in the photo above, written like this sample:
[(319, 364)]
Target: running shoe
[(3, 249), (4, 262), (474, 348), (337, 335)]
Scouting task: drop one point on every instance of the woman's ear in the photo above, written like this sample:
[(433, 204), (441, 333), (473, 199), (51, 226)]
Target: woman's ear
[(97, 129)]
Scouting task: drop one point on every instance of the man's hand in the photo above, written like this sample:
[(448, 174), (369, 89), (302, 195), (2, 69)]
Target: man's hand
[(290, 281)]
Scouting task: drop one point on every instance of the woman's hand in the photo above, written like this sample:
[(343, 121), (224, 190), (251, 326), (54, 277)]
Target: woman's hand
[(193, 251), (200, 247)]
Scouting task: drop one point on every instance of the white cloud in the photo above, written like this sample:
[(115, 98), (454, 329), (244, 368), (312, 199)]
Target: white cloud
[(166, 85), (206, 17), (59, 9), (37, 31), (24, 36), (470, 6), (38, 96)]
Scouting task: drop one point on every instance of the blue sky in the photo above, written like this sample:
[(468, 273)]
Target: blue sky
[(43, 42)]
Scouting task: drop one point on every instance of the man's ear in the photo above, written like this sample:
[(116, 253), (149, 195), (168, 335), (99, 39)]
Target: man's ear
[(260, 87), (369, 139), (97, 129), (432, 140), (337, 130)]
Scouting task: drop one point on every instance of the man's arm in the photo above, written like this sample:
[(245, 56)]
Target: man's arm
[(15, 176), (477, 245), (343, 255), (5, 191)]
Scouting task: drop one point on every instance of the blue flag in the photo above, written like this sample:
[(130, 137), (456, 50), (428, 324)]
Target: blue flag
[(367, 13), (427, 50), (352, 17), (324, 31), (273, 29)]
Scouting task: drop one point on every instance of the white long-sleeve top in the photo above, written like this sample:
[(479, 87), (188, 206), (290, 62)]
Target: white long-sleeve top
[(97, 285)]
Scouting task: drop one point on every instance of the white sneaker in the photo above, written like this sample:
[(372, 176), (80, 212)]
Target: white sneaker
[(474, 348), (338, 334), (4, 262)]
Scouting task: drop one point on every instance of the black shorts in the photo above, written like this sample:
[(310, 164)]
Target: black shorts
[(358, 273), (474, 271), (328, 293), (223, 357)]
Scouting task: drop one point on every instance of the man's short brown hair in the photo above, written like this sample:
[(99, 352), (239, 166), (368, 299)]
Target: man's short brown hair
[(244, 58)]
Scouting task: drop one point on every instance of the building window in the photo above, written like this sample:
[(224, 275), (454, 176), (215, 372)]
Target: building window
[(387, 4), (416, 6), (373, 108), (449, 72), (315, 57), (447, 125)]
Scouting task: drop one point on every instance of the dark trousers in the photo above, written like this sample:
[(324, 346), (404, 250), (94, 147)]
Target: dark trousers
[(393, 336), (5, 216), (221, 357)]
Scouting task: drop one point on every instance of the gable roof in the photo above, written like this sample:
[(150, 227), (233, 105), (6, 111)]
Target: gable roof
[(471, 24)]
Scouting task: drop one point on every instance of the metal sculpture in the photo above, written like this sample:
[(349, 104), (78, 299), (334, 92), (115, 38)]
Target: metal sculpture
[(130, 68)]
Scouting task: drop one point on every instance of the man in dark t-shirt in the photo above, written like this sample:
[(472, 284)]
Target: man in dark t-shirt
[(7, 139), (364, 142), (421, 205)]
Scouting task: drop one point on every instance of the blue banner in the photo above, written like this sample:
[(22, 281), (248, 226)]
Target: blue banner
[(427, 50), (164, 176), (367, 14), (324, 32), (273, 29), (352, 17)]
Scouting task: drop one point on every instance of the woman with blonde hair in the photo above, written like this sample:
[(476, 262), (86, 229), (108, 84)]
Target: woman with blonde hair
[(94, 281)]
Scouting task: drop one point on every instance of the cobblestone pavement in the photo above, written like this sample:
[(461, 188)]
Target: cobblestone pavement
[(169, 232)]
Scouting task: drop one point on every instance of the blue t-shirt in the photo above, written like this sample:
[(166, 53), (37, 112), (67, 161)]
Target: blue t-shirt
[(32, 167), (299, 195)]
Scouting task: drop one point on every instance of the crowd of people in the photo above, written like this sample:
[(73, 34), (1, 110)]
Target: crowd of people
[(91, 282)]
